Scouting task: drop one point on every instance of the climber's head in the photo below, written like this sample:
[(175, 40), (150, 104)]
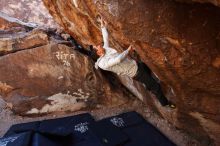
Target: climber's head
[(99, 50)]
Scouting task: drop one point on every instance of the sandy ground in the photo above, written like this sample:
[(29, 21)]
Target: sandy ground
[(7, 118)]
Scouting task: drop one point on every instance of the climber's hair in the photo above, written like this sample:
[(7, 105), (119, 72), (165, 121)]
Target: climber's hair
[(98, 49)]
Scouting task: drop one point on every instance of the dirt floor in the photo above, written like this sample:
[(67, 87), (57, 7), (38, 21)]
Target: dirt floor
[(7, 118)]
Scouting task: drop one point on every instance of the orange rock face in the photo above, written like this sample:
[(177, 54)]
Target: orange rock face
[(179, 42)]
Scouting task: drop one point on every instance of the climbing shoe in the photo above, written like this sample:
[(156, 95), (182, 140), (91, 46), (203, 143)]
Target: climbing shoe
[(170, 105)]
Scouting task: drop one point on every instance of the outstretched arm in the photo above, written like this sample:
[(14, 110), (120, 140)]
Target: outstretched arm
[(105, 37), (119, 58), (104, 33)]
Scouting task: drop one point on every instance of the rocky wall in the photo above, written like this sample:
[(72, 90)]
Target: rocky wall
[(178, 41), (41, 73)]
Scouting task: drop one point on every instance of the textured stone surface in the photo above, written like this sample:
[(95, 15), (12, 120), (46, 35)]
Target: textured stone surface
[(28, 11), (51, 78), (215, 2), (22, 41), (135, 87), (179, 42), (4, 24), (148, 98), (41, 73)]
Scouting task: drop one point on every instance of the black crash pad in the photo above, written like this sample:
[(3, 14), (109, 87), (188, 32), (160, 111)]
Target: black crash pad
[(127, 129), (21, 139)]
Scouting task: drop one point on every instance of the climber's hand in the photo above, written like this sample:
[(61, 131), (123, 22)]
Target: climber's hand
[(103, 23), (131, 48)]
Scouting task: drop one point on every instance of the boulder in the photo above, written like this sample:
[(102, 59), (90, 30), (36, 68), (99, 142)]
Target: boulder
[(52, 78), (28, 11), (178, 41), (41, 74)]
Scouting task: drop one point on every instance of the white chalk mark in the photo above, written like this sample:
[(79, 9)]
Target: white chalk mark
[(65, 57), (5, 141), (62, 102), (119, 122), (81, 127)]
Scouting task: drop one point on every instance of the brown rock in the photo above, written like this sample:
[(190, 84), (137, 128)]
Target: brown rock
[(14, 42), (51, 78), (215, 2), (40, 75), (4, 24), (179, 42), (216, 62), (17, 21)]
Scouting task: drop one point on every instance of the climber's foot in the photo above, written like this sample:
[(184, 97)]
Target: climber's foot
[(171, 105)]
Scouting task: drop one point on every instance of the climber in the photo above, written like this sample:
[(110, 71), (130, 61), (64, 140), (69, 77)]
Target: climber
[(119, 63)]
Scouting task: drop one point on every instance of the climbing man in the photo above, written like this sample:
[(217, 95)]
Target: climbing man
[(119, 63)]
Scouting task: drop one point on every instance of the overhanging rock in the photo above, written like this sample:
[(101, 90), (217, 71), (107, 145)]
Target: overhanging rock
[(178, 41)]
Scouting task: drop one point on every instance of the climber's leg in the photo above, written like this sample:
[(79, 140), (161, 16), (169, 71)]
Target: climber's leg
[(144, 76)]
